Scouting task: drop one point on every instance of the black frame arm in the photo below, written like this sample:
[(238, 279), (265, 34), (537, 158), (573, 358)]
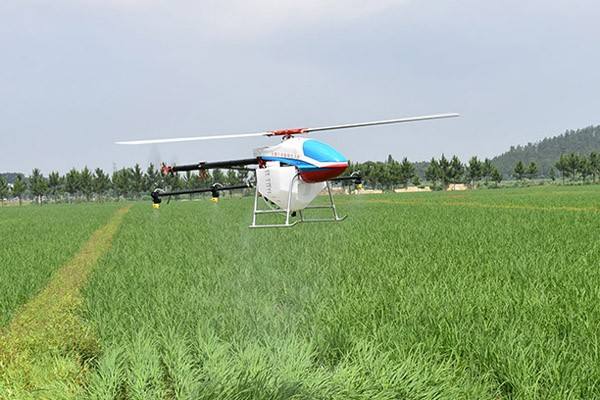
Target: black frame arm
[(209, 165), (214, 189), (356, 179)]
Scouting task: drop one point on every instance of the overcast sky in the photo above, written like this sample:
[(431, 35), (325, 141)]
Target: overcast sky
[(77, 75)]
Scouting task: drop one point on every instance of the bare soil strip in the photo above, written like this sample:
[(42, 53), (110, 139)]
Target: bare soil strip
[(45, 349)]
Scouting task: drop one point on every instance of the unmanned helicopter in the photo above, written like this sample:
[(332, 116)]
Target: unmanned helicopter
[(287, 176)]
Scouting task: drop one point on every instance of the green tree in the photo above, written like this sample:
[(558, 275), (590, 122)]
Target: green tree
[(486, 169), (86, 183), (594, 165), (407, 171), (384, 176), (188, 182), (457, 170), (562, 167), (3, 189), (55, 183), (552, 174), (38, 185), (152, 179), (371, 173), (519, 170), (394, 173), (584, 167), (137, 180), (573, 165), (174, 182), (496, 176), (100, 183), (233, 177), (19, 188), (416, 181), (532, 170), (364, 171), (445, 172), (474, 170), (73, 182), (432, 173), (121, 182)]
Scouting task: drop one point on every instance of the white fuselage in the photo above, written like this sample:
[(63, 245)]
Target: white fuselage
[(296, 170)]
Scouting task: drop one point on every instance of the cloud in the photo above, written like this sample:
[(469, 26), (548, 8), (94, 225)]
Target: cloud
[(244, 18)]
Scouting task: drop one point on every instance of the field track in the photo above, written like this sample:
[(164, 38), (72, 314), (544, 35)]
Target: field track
[(45, 346), (36, 242)]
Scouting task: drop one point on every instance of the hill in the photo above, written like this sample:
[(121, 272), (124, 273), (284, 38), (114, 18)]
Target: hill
[(10, 176), (547, 151)]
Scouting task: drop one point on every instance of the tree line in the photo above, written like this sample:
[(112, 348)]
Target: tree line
[(571, 166), (125, 183), (574, 166), (135, 182), (439, 173)]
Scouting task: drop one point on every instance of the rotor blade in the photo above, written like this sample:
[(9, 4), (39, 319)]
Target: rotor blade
[(289, 132), (384, 122), (193, 138)]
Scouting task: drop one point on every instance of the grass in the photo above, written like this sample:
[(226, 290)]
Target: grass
[(44, 351), (485, 294), (35, 242)]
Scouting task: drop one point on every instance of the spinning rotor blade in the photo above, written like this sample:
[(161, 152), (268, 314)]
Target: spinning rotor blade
[(383, 122), (294, 131), (194, 138)]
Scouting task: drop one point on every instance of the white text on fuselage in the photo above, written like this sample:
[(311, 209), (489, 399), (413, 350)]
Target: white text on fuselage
[(285, 155)]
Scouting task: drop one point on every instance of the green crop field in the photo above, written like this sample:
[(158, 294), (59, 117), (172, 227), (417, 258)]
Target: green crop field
[(490, 294), (35, 242)]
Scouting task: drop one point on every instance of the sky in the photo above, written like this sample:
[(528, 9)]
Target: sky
[(75, 76)]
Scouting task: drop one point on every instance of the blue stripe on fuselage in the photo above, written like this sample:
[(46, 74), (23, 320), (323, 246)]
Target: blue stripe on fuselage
[(303, 165)]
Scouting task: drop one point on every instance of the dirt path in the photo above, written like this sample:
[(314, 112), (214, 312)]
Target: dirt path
[(44, 349)]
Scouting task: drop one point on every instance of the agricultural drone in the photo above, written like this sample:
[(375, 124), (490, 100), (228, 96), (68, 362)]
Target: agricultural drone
[(287, 176)]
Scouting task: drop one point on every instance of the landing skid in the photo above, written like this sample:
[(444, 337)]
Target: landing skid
[(274, 209)]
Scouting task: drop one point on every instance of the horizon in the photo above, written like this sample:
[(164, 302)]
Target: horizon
[(80, 75), (448, 155)]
